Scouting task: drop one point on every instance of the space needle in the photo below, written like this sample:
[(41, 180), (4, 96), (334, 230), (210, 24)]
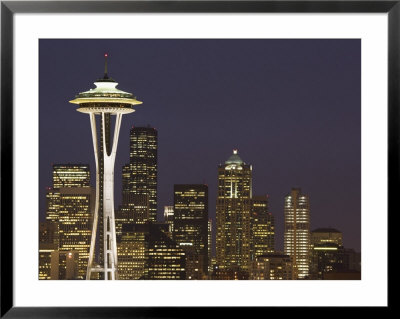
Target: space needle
[(107, 102)]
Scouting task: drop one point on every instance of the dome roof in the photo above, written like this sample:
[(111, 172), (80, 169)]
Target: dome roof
[(234, 158)]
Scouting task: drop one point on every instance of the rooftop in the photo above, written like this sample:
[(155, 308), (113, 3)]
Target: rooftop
[(234, 158)]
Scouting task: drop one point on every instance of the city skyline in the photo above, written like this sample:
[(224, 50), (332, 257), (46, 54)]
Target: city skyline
[(195, 162)]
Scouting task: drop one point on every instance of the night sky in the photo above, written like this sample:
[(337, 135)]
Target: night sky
[(291, 107)]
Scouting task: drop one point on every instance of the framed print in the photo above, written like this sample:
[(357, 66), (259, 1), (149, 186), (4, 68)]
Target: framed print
[(164, 155)]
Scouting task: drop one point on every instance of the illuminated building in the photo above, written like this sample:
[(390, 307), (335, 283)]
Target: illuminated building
[(45, 250), (146, 252), (64, 265), (262, 227), (52, 204), (326, 235), (233, 273), (132, 252), (327, 257), (233, 212), (272, 266), (48, 242), (209, 239), (169, 217), (76, 209), (139, 177), (137, 213), (48, 233), (69, 214), (190, 221), (106, 101), (297, 232), (71, 175)]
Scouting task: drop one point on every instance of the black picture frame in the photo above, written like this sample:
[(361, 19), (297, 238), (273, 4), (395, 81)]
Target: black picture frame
[(9, 8)]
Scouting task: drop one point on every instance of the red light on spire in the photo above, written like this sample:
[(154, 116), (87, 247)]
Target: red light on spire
[(106, 54)]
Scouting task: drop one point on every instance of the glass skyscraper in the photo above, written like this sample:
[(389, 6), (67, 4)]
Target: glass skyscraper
[(233, 214), (297, 232)]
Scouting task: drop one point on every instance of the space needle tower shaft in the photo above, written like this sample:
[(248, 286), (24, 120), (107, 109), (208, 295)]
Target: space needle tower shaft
[(104, 102)]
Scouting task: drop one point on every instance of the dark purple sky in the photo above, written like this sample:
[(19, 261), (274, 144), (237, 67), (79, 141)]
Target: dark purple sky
[(291, 107)]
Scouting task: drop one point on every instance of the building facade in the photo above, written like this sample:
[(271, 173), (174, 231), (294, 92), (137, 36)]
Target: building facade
[(190, 226), (272, 266), (169, 218), (139, 177), (145, 251), (262, 227), (326, 235), (70, 208), (297, 232), (233, 214)]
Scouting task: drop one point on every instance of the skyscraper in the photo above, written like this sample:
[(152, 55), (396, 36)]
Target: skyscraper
[(262, 228), (209, 246), (233, 213), (146, 252), (70, 209), (107, 101), (326, 235), (48, 242), (139, 177), (297, 232), (190, 221), (71, 175), (169, 218), (76, 210)]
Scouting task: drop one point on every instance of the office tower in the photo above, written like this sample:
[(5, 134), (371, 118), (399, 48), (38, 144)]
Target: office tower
[(272, 266), (233, 214), (76, 207), (327, 252), (262, 227), (132, 252), (65, 265), (169, 217), (326, 235), (71, 175), (146, 252), (69, 214), (139, 177), (52, 204), (190, 221), (45, 250), (326, 257), (297, 232), (48, 232), (209, 239), (48, 242), (106, 101)]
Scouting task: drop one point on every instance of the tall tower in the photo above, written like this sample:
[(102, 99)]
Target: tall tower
[(297, 232), (233, 214), (70, 210), (262, 228), (139, 186), (106, 101), (190, 225)]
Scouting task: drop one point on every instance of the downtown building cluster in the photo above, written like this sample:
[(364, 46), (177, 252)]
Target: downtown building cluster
[(85, 237), (180, 246)]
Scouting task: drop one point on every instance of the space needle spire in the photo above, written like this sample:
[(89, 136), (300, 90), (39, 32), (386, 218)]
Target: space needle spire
[(104, 102)]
